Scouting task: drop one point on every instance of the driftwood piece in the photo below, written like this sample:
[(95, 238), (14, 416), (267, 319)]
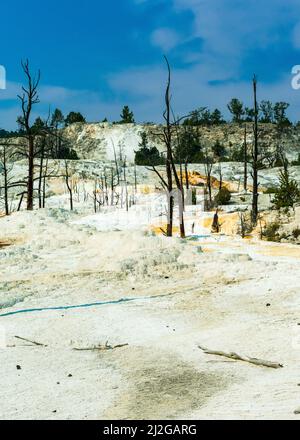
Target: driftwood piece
[(237, 357), (31, 342), (101, 347)]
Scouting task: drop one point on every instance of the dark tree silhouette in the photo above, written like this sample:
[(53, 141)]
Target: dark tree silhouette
[(28, 99), (255, 159), (127, 116)]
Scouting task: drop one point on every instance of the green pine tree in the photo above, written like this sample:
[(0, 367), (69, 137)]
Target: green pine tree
[(147, 156), (127, 116), (288, 192)]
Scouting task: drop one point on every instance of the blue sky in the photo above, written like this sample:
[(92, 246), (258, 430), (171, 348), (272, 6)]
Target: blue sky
[(96, 56)]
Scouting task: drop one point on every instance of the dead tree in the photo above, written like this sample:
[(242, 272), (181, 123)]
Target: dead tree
[(167, 183), (28, 99), (98, 202), (7, 157), (6, 168), (114, 183), (220, 171), (167, 137), (245, 160), (125, 184), (255, 159), (208, 166), (44, 184), (42, 168), (187, 183), (245, 223), (135, 178), (69, 185), (116, 162), (95, 195)]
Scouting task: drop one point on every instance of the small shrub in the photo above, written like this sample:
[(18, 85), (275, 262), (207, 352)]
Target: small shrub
[(283, 236), (218, 149), (223, 197), (296, 233), (278, 162), (271, 190), (147, 155), (237, 155), (245, 226), (270, 232), (288, 192), (296, 162)]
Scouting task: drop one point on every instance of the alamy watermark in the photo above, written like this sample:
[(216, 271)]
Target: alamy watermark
[(296, 77), (2, 78)]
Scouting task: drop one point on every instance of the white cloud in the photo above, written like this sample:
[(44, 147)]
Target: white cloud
[(165, 38), (231, 27), (88, 102), (191, 88), (227, 28), (11, 91)]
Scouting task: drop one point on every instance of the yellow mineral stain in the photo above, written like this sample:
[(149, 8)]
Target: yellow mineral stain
[(159, 230), (280, 250)]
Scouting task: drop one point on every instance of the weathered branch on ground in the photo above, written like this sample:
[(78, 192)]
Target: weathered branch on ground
[(31, 342), (101, 347), (237, 357)]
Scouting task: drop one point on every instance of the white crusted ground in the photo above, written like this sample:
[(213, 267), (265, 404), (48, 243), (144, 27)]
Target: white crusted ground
[(212, 292)]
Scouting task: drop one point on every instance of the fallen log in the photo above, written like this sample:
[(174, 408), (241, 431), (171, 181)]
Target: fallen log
[(100, 347), (31, 342), (237, 357)]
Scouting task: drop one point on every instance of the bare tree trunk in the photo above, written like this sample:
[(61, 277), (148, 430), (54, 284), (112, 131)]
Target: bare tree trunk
[(255, 157), (208, 166), (245, 161), (170, 215), (112, 187), (20, 202), (69, 186), (41, 175), (5, 171), (30, 173), (167, 183), (220, 176), (170, 158), (95, 197), (181, 185), (208, 169), (44, 184), (28, 99), (135, 178), (186, 175), (116, 163), (125, 183), (106, 187)]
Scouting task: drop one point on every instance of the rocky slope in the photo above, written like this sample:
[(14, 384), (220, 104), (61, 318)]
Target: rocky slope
[(98, 141)]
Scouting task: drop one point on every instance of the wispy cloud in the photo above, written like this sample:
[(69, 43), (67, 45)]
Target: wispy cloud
[(88, 102), (165, 38), (214, 47), (192, 88)]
